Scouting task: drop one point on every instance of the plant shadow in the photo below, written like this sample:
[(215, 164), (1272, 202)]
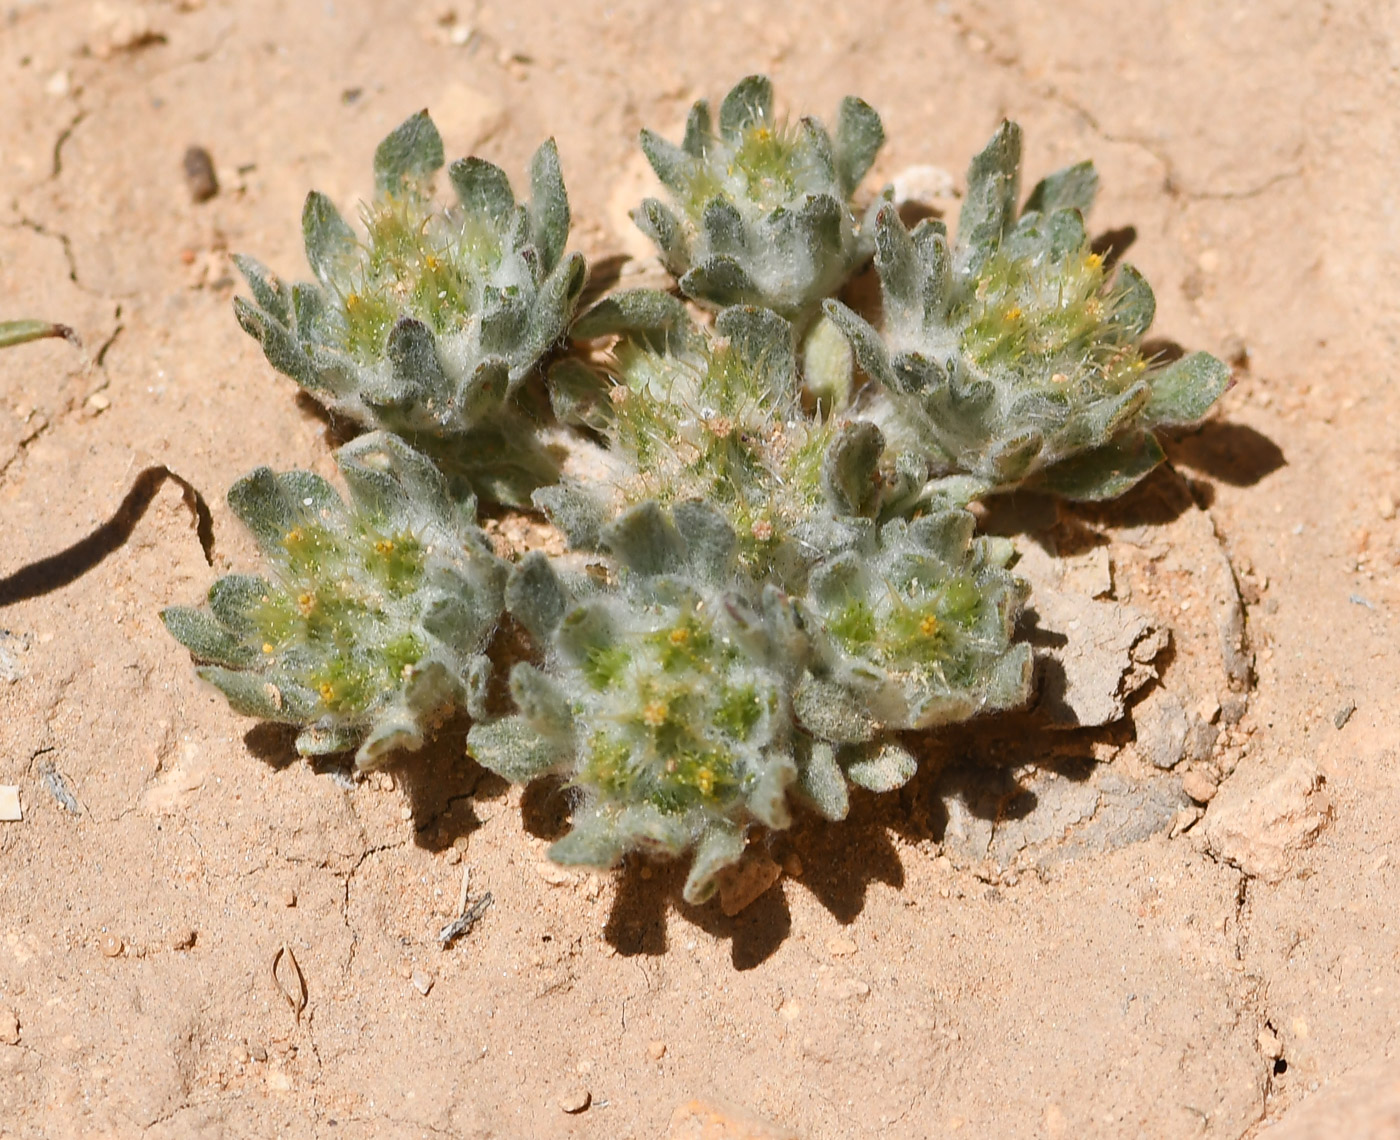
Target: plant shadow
[(972, 766)]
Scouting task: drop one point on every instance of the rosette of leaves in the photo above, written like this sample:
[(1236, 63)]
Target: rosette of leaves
[(687, 414), (370, 625), (663, 702), (914, 633), (762, 208), (1014, 354), (427, 325)]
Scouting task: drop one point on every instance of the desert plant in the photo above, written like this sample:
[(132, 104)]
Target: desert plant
[(1013, 354), (372, 624), (763, 212), (772, 579), (428, 326)]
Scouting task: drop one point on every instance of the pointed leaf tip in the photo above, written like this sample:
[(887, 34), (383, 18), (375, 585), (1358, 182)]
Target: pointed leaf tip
[(412, 152)]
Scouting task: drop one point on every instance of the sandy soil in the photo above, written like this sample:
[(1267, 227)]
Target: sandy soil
[(1040, 937)]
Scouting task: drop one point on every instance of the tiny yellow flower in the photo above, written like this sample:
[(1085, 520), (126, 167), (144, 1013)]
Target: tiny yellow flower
[(705, 781), (654, 715), (929, 626), (679, 636)]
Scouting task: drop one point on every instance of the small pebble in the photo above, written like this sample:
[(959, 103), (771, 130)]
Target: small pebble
[(259, 1053), (1199, 785), (405, 812), (792, 865), (9, 1027), (553, 874), (422, 981), (98, 403), (576, 1100), (111, 945), (1385, 506), (199, 174), (743, 883), (1269, 1044), (849, 988), (1343, 714), (656, 1050), (10, 811), (840, 946), (452, 856), (289, 897)]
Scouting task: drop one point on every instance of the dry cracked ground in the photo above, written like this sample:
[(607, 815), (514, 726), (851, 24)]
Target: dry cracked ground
[(1161, 905)]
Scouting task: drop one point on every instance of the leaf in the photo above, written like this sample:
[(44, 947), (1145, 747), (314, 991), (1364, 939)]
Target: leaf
[(828, 366), (207, 638), (851, 469), (512, 749), (718, 281), (632, 311), (593, 841), (253, 694), (412, 152), (645, 541), (721, 846), (897, 262), (22, 332), (1134, 305), (578, 394), (821, 219), (553, 310), (820, 780), (328, 739), (235, 597), (993, 179), (710, 541), (832, 712), (258, 502), (268, 291), (1012, 459), (549, 205), (283, 351), (767, 797), (1010, 685), (331, 246), (723, 227), (1105, 472), (413, 357), (883, 768), (749, 102), (698, 130), (1073, 188), (536, 597), (763, 341), (1184, 390), (483, 188), (671, 163), (656, 220), (865, 342), (576, 511), (859, 137), (543, 704), (389, 478)]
